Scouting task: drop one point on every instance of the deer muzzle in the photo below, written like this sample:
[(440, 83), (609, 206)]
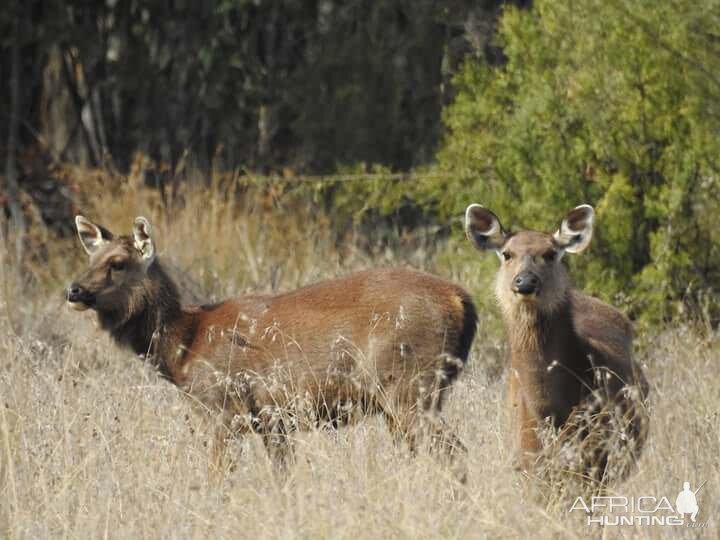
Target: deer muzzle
[(526, 283), (79, 298)]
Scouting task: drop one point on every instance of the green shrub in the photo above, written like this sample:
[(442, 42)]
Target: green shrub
[(613, 103)]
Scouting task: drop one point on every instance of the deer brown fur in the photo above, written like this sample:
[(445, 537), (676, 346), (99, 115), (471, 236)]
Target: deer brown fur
[(571, 354), (385, 341)]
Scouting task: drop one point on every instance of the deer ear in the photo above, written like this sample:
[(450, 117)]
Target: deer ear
[(576, 229), (483, 228), (91, 236), (143, 240)]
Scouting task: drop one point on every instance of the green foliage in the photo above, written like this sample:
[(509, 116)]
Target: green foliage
[(614, 103)]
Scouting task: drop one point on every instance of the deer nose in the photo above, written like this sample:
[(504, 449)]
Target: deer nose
[(75, 293), (526, 283)]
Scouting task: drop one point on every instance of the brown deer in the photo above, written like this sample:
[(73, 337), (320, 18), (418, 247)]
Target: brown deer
[(384, 341), (571, 354)]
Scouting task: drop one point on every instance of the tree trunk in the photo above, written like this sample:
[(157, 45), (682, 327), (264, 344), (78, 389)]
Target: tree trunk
[(17, 218)]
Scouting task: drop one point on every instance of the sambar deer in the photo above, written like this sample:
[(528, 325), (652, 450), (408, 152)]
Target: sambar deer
[(571, 354), (385, 341)]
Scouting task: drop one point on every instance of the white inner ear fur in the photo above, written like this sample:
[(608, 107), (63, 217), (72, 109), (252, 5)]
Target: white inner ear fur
[(143, 241), (576, 240), (90, 234), (495, 229), (473, 231)]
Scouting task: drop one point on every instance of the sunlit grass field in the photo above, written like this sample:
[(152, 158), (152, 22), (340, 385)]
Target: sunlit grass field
[(93, 444)]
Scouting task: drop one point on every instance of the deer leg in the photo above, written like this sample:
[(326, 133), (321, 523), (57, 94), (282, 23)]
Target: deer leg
[(219, 448), (400, 425), (422, 423), (443, 439), (278, 443), (223, 430), (529, 441)]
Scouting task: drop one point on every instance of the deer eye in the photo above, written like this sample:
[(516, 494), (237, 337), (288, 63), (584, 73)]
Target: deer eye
[(549, 256), (117, 265), (507, 255)]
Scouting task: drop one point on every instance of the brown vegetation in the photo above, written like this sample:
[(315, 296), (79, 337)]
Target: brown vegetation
[(81, 456)]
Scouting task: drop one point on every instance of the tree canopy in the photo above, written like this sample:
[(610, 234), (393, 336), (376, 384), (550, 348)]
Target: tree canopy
[(259, 85), (614, 103)]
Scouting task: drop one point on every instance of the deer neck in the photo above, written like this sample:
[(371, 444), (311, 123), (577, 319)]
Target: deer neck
[(543, 356), (532, 330), (156, 326)]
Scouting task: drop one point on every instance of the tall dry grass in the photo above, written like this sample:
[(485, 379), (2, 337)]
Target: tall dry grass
[(94, 444)]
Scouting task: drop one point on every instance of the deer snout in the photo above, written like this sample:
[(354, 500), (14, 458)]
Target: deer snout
[(79, 297), (526, 283)]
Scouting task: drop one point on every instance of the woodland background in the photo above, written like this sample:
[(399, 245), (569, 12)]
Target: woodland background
[(528, 107), (273, 144)]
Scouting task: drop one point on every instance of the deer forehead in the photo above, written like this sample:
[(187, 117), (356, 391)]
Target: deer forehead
[(530, 243), (114, 249)]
